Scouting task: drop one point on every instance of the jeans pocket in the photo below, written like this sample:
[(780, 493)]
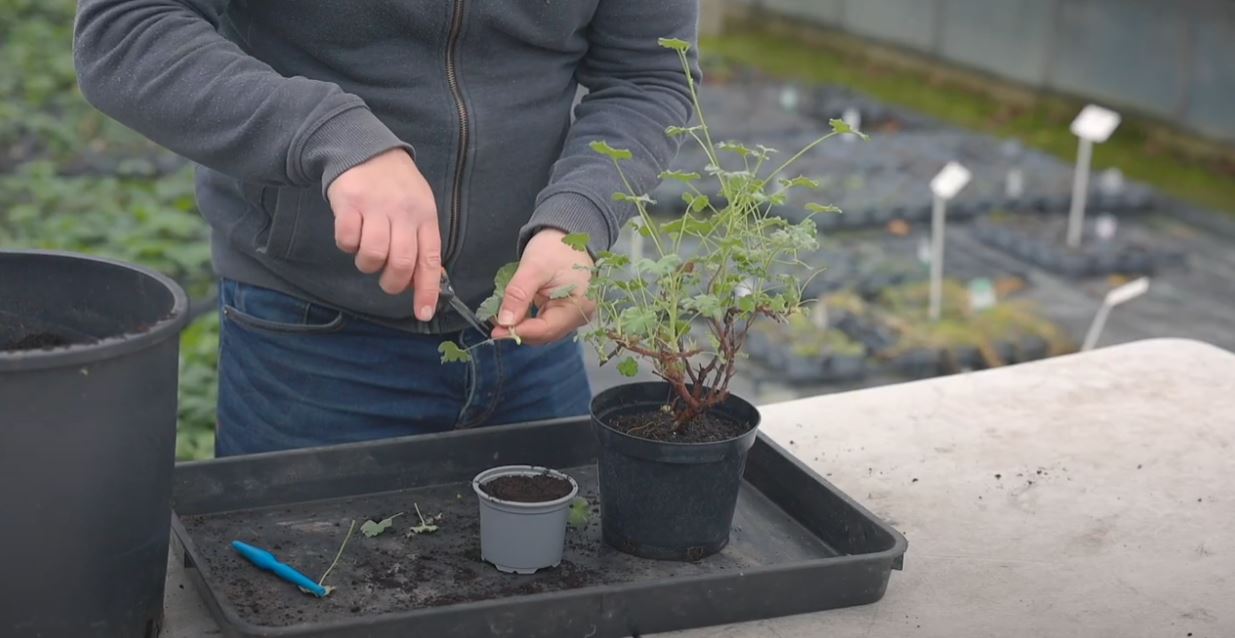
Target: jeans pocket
[(268, 310)]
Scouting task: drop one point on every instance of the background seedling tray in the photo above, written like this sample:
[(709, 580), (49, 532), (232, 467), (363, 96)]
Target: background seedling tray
[(798, 544)]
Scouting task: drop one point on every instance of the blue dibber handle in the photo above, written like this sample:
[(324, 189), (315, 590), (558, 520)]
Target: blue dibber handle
[(265, 560)]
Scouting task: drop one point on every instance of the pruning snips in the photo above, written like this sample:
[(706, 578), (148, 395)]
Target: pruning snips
[(448, 298)]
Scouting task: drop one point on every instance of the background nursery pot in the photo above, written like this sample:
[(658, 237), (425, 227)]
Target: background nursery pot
[(667, 500), (522, 537), (88, 373)]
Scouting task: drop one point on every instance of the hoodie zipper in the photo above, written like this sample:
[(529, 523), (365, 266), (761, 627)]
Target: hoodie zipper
[(452, 78)]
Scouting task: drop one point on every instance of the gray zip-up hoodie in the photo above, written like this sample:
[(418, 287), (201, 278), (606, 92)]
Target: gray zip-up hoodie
[(273, 100)]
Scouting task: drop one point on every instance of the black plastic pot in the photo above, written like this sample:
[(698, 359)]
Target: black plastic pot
[(669, 501), (919, 363), (844, 367), (800, 368), (87, 444), (1031, 348)]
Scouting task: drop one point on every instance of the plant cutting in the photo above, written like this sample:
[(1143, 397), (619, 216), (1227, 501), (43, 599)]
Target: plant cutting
[(523, 515)]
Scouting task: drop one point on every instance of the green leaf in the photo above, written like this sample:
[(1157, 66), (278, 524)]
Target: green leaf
[(680, 176), (580, 512), (822, 208), (628, 367), (679, 131), (563, 292), (736, 148), (689, 225), (371, 528), (637, 320), (674, 43), (616, 154), (613, 260), (841, 126), (746, 303), (578, 241), (633, 199), (425, 527), (505, 274), (452, 353), (707, 305), (695, 202), (329, 590), (489, 307), (800, 182), (662, 267)]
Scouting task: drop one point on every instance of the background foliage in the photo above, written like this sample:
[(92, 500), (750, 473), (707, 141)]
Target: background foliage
[(71, 179)]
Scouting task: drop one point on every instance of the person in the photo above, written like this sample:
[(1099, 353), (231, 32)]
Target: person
[(347, 152)]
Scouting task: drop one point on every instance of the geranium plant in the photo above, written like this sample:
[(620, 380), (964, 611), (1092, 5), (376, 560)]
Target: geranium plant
[(687, 315)]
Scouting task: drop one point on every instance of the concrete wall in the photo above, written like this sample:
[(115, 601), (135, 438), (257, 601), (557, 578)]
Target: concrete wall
[(1173, 59)]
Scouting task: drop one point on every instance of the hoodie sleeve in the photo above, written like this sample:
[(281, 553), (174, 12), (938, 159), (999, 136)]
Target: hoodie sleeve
[(636, 89), (161, 68)]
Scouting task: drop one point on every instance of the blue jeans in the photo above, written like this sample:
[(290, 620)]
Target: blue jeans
[(295, 374)]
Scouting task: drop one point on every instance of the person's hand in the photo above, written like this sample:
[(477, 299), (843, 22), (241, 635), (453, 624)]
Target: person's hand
[(384, 213), (548, 266)]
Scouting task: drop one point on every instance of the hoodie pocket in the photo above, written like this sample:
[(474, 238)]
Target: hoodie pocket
[(300, 224)]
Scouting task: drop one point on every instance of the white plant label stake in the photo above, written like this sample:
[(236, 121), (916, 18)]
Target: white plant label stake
[(1104, 227), (981, 294), (789, 99), (945, 186), (1093, 125), (1116, 296), (1014, 185), (819, 314), (1111, 182)]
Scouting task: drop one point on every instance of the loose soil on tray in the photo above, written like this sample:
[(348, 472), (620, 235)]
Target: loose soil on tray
[(399, 571), (527, 489), (658, 426), (38, 341)]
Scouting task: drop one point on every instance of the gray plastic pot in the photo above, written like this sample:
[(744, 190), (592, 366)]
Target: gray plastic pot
[(521, 538)]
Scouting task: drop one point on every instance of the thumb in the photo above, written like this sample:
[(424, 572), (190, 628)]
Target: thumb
[(520, 292)]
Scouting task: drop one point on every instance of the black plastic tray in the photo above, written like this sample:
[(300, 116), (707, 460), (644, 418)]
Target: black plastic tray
[(798, 545)]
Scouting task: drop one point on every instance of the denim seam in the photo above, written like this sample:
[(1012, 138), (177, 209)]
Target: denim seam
[(497, 393), (473, 382)]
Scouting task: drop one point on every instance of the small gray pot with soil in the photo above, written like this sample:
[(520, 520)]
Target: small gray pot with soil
[(523, 513), (667, 495)]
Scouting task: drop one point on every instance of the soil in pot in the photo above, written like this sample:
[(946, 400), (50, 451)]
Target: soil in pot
[(37, 341), (658, 425), (527, 489)]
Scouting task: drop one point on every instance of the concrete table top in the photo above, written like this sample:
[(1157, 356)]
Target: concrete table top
[(1085, 495)]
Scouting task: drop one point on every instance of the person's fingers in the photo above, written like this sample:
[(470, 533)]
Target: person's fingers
[(374, 243), (428, 278), (401, 263), (554, 321), (520, 292), (347, 230)]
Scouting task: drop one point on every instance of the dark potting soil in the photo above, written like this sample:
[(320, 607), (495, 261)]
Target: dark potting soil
[(397, 572), (38, 341), (527, 489), (659, 426)]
